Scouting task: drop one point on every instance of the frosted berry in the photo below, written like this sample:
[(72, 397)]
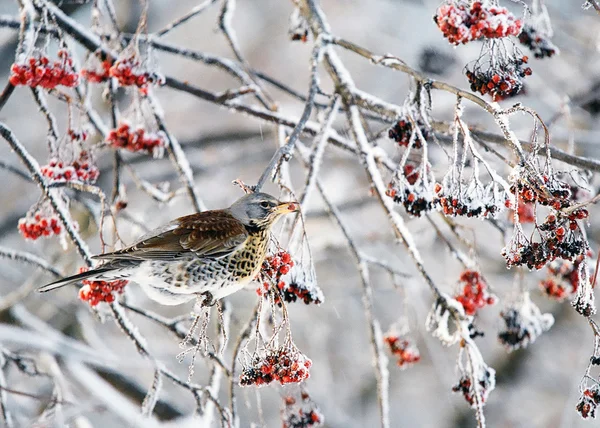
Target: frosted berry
[(39, 71), (95, 292), (402, 347), (136, 140), (540, 45), (462, 24), (81, 169), (474, 293), (284, 365), (39, 224), (129, 72)]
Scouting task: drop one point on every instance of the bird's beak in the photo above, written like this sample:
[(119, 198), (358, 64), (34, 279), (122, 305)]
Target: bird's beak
[(287, 207)]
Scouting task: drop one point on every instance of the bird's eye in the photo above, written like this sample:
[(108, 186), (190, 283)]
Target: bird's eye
[(264, 204)]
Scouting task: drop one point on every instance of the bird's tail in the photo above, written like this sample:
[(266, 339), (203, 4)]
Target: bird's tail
[(75, 278)]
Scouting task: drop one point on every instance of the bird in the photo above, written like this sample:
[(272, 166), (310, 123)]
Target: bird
[(212, 253)]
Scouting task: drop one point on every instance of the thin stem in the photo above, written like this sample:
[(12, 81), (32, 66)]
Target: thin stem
[(284, 153), (195, 11)]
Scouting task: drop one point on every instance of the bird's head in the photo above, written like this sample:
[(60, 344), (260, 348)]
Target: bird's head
[(260, 210)]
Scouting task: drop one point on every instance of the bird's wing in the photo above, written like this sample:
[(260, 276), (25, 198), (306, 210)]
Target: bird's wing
[(209, 234)]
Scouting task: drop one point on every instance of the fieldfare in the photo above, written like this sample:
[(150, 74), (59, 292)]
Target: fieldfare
[(212, 253)]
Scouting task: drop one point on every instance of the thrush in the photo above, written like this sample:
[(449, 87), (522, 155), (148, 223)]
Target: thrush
[(212, 253)]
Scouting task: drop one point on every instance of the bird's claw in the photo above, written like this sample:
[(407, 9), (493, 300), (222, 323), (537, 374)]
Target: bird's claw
[(209, 300)]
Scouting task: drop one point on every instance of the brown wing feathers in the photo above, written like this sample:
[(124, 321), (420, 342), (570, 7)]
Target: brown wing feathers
[(208, 234)]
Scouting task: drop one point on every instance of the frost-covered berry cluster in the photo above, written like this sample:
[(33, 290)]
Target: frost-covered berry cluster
[(39, 224), (96, 70), (588, 402), (538, 44), (477, 379), (298, 26), (474, 293), (129, 71), (461, 23), (284, 364), (523, 324), (39, 71), (81, 169), (413, 191), (402, 133), (470, 199), (501, 80), (274, 267), (403, 348), (95, 292), (292, 282), (561, 236), (301, 412), (562, 280), (136, 140)]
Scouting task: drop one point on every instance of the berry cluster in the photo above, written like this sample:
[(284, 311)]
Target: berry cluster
[(524, 323), (298, 26), (301, 413), (39, 224), (79, 136), (273, 268), (39, 71), (136, 140), (403, 348), (99, 73), (80, 170), (285, 365), (129, 72), (402, 133), (95, 292), (557, 195), (534, 255), (300, 287), (474, 294), (499, 82), (562, 240), (470, 200), (537, 43), (465, 386), (562, 280), (412, 192), (589, 401), (461, 24), (584, 300)]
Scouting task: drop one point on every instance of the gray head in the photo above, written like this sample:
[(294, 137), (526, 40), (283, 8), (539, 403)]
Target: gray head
[(260, 209)]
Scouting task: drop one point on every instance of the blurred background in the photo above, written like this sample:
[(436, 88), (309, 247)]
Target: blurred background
[(536, 387)]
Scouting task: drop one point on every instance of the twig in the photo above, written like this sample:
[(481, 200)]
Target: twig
[(13, 169), (151, 397), (53, 133), (5, 95), (225, 25), (25, 257), (195, 11), (318, 150), (6, 415), (285, 152), (379, 358), (244, 335), (595, 5), (383, 264)]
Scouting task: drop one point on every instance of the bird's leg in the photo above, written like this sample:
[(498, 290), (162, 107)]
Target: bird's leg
[(190, 334)]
